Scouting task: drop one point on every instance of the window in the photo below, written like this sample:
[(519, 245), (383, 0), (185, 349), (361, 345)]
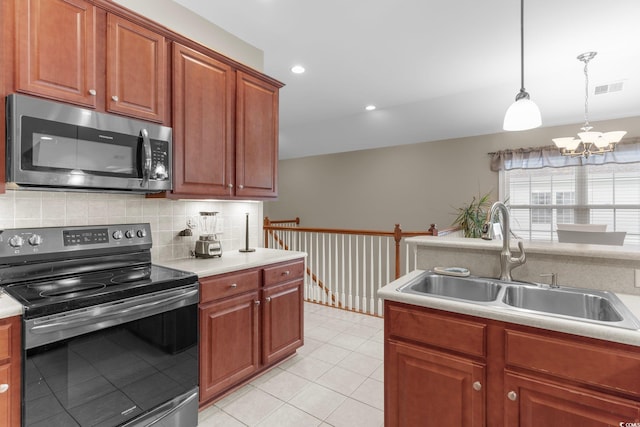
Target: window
[(590, 194)]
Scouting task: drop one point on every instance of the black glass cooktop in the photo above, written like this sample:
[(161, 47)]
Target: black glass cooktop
[(50, 296)]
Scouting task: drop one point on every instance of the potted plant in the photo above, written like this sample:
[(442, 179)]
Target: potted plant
[(472, 215)]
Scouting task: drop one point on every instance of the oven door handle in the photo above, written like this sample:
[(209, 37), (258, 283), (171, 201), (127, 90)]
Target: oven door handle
[(100, 317)]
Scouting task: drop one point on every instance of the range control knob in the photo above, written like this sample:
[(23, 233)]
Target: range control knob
[(142, 233), (35, 240), (129, 234), (117, 234), (16, 241)]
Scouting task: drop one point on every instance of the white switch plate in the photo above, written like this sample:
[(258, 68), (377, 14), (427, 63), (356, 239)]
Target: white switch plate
[(637, 278)]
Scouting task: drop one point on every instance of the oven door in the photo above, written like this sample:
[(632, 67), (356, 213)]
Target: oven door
[(133, 362)]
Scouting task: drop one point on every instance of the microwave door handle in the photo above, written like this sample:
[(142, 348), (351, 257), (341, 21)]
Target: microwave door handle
[(146, 168)]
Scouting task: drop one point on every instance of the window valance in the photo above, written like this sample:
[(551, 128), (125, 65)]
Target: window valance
[(627, 151)]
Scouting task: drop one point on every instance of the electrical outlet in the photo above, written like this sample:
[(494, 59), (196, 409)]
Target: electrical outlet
[(220, 225)]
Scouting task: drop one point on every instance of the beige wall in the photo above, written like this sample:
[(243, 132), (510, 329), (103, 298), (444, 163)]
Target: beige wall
[(413, 185), (187, 23)]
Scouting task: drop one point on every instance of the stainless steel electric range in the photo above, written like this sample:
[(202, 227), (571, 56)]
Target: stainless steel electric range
[(109, 338)]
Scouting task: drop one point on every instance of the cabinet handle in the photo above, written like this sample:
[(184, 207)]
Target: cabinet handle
[(286, 273), (268, 299), (241, 186), (256, 302), (512, 395), (115, 98), (477, 386), (234, 285), (4, 388), (230, 185), (92, 92)]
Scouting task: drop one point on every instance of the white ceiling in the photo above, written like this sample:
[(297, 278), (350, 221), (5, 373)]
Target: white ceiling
[(435, 69)]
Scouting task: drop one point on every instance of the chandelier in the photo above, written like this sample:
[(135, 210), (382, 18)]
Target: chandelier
[(588, 142)]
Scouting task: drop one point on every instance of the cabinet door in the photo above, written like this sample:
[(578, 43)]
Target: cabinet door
[(136, 70), (424, 387), (10, 371), (229, 343), (55, 49), (203, 137), (535, 403), (5, 396), (282, 321), (256, 138)]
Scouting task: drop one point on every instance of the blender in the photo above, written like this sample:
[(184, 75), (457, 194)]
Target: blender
[(208, 245)]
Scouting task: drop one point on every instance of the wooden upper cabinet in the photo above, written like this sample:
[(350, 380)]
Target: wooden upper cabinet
[(256, 137), (55, 49), (64, 52), (203, 137), (136, 70)]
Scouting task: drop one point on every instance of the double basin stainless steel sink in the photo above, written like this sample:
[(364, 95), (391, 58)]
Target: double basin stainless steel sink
[(601, 307)]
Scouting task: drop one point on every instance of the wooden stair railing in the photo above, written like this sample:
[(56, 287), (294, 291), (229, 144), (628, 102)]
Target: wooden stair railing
[(274, 231)]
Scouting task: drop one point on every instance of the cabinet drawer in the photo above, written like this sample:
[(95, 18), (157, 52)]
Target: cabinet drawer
[(446, 332), (603, 366), (226, 286), (283, 272)]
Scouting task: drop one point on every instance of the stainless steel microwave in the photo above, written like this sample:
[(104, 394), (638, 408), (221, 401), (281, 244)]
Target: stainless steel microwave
[(61, 147)]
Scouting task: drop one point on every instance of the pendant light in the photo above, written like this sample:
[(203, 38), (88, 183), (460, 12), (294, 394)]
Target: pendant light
[(588, 142), (523, 114)]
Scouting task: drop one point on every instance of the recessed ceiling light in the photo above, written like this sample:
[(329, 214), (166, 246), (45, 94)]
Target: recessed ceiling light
[(370, 107), (297, 69)]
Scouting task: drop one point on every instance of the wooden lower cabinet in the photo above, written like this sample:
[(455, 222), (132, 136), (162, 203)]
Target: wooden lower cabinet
[(248, 322), (229, 343), (282, 320), (425, 387), (443, 368), (10, 335), (533, 403)]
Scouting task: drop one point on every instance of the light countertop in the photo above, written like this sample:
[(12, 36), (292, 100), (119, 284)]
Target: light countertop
[(532, 247), (8, 306), (233, 261), (576, 327)]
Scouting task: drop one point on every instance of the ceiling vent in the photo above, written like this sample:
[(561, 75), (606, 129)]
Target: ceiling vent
[(611, 87)]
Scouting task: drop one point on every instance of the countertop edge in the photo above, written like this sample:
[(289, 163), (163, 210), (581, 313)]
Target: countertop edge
[(575, 327)]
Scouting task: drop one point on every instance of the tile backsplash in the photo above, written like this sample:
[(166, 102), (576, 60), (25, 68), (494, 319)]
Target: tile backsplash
[(167, 217)]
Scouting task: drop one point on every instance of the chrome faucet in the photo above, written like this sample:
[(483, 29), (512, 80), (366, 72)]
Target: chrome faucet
[(507, 263)]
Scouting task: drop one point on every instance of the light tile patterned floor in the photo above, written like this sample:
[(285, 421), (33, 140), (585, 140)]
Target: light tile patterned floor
[(336, 379)]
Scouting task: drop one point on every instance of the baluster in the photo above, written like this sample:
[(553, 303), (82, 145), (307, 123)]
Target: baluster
[(317, 265), (343, 299), (335, 270), (356, 302), (324, 275), (307, 280), (351, 274), (373, 304), (362, 287), (372, 280)]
